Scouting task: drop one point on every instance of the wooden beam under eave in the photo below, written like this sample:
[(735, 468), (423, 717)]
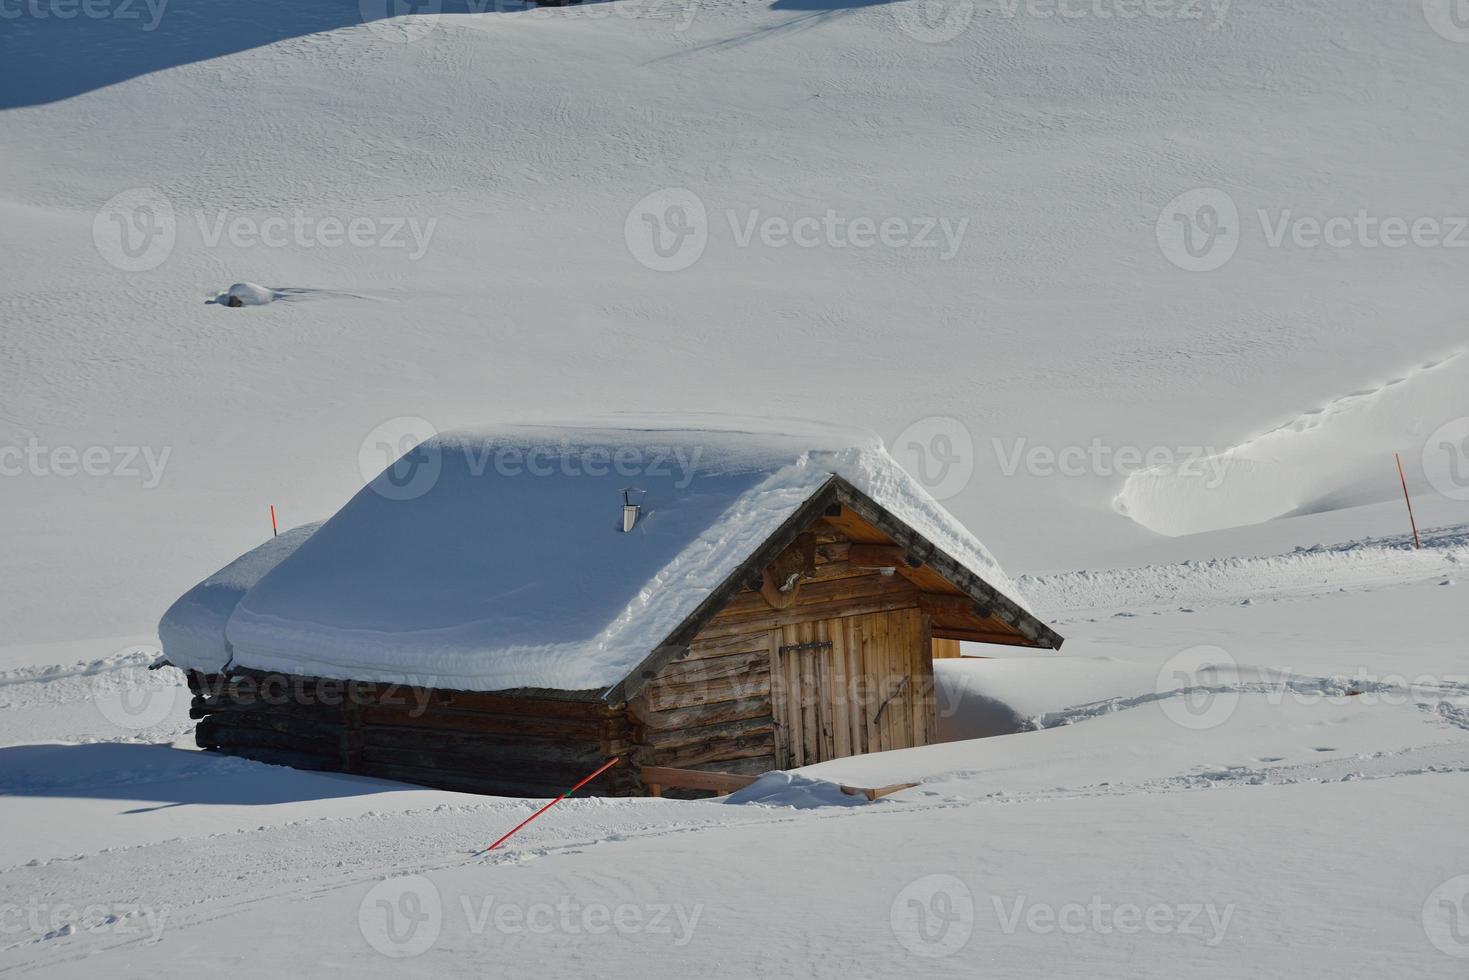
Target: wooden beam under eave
[(879, 556), (856, 529), (979, 636)]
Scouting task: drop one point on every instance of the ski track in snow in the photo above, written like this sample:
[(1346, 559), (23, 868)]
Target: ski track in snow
[(1219, 581), (310, 858), (1431, 697)]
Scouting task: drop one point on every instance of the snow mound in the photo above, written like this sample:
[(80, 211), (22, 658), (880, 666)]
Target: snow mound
[(495, 560), (192, 631), (248, 294), (788, 789), (1337, 456)]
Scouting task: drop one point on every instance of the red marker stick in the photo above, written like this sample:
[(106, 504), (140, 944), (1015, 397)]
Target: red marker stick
[(605, 766), (273, 530)]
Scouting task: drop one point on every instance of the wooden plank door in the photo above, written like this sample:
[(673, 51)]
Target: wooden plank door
[(801, 674), (851, 685)]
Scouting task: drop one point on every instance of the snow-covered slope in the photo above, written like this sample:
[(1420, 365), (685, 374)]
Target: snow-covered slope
[(1297, 814), (482, 212), (1058, 320)]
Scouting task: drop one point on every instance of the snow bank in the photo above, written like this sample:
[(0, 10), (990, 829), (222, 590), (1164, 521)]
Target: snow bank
[(1340, 455), (192, 632), (494, 560), (793, 790)]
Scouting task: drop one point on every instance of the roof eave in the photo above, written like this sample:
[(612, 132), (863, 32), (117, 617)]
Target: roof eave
[(836, 490)]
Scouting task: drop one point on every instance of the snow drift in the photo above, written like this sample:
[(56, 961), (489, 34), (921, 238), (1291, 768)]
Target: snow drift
[(1340, 455)]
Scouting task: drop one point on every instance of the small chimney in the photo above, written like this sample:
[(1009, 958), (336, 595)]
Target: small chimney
[(632, 507)]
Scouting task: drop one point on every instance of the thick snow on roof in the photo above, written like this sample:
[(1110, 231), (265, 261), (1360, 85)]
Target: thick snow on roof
[(192, 631), (495, 560)]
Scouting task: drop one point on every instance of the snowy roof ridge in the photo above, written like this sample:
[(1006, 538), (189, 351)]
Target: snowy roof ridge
[(493, 560)]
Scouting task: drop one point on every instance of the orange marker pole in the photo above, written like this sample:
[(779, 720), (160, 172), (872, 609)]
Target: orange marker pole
[(273, 529), (1407, 500)]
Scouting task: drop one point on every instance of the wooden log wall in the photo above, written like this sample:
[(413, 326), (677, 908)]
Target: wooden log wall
[(456, 740)]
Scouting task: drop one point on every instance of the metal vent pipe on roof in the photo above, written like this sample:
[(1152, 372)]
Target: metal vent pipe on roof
[(632, 507)]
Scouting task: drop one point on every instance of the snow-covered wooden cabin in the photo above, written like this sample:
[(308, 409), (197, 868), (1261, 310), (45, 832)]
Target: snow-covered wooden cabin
[(495, 614)]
